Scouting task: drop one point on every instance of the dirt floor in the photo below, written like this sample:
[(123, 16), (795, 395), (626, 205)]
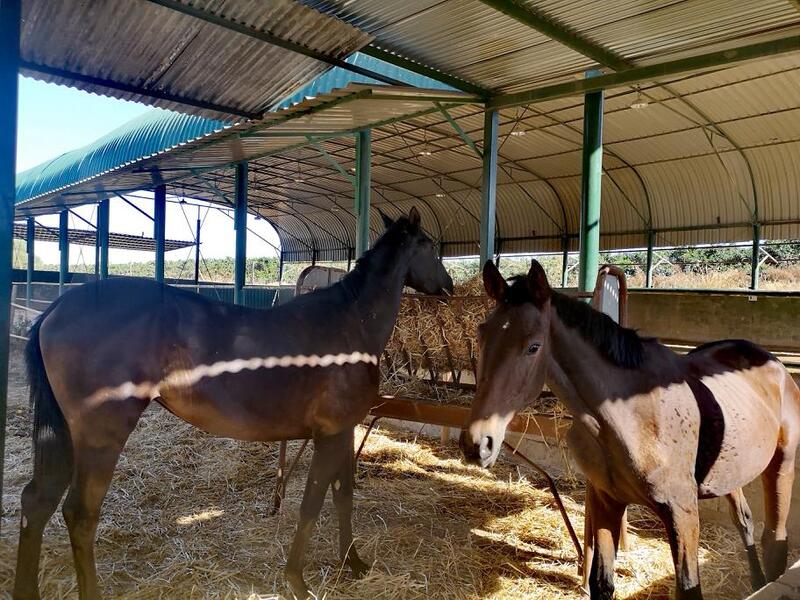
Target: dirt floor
[(188, 516)]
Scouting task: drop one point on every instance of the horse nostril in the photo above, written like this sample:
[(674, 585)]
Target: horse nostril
[(487, 445)]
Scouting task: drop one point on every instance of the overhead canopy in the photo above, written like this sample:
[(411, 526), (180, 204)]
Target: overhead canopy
[(713, 152), (88, 237), (162, 53)]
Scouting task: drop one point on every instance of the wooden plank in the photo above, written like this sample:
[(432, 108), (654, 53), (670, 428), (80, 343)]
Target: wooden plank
[(451, 415)]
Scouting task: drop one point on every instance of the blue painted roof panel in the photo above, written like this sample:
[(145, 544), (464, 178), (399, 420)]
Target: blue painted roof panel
[(149, 134)]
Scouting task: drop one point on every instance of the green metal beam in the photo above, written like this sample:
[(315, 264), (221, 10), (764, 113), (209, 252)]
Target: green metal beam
[(572, 39), (30, 238), (648, 273), (159, 229), (420, 69), (240, 227), (652, 72), (63, 249), (269, 38), (489, 186), (591, 184), (333, 162), (755, 265), (363, 160), (103, 214), (461, 133), (10, 16)]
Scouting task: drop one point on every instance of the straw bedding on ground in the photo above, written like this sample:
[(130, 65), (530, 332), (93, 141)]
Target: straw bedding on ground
[(187, 516)]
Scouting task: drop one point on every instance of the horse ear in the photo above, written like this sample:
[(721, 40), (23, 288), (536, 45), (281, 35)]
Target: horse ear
[(413, 217), (387, 221), (538, 287), (494, 282)]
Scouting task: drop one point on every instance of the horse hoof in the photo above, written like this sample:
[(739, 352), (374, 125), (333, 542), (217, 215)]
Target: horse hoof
[(298, 586), (358, 567)]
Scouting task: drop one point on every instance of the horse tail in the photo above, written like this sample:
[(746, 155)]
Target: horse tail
[(52, 445)]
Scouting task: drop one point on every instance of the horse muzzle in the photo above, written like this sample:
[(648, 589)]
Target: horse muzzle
[(480, 453)]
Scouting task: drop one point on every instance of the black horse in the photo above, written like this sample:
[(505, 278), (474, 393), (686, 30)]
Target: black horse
[(102, 352)]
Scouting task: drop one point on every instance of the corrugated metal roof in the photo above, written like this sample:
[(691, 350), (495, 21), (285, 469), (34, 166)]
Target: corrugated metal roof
[(471, 40), (711, 152), (141, 45)]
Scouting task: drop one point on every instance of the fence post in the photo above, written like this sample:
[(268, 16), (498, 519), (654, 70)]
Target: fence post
[(159, 229), (30, 236), (755, 262), (240, 227)]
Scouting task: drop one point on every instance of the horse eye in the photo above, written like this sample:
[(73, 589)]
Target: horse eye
[(534, 348)]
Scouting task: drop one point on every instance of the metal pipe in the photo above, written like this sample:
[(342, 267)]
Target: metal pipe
[(240, 227), (363, 162), (755, 264), (489, 186), (63, 249), (159, 229), (649, 262), (103, 217), (30, 236), (280, 268), (591, 183), (197, 249), (564, 261), (10, 11)]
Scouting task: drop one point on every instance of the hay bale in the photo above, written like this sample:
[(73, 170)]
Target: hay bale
[(436, 338)]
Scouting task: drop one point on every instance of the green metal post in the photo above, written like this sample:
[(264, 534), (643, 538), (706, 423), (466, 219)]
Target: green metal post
[(103, 215), (648, 276), (756, 258), (564, 261), (159, 229), (240, 227), (488, 186), (198, 226), (591, 175), (363, 161), (9, 66), (63, 249), (30, 236)]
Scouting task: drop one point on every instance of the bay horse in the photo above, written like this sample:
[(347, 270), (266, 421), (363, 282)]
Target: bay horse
[(307, 369), (649, 426)]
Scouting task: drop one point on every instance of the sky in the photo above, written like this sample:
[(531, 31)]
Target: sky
[(54, 119)]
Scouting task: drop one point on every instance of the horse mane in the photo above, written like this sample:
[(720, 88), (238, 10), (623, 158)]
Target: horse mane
[(357, 277), (621, 345)]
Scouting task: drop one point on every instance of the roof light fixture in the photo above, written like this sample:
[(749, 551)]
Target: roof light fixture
[(640, 102)]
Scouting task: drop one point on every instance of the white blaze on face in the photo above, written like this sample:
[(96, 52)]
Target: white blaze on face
[(493, 427)]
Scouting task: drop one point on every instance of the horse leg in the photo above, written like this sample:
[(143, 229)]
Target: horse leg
[(343, 499), (777, 480), (606, 521), (97, 445), (682, 521), (40, 499), (743, 519), (329, 452)]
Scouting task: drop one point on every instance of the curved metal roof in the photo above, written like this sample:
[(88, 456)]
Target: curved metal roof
[(145, 136)]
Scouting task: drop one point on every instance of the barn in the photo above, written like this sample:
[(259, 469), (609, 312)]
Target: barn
[(514, 128)]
